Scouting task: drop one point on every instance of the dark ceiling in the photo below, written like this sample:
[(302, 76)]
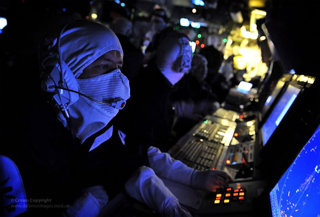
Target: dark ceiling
[(292, 24)]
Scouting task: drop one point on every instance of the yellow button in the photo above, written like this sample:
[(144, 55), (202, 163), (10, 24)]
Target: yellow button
[(226, 201), (216, 201), (219, 195)]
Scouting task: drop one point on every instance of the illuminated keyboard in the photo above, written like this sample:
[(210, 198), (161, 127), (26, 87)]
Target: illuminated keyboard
[(206, 145), (206, 129), (216, 132), (199, 153), (226, 114)]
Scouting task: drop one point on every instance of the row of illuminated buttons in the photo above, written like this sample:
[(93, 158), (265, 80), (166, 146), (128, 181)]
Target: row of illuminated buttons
[(227, 200), (229, 189), (236, 194)]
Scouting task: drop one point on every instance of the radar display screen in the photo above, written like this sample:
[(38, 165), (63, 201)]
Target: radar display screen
[(297, 193), (279, 112)]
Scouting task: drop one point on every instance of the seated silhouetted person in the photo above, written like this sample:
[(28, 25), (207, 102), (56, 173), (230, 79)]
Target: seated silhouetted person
[(148, 117), (133, 57), (193, 97), (67, 154), (71, 158), (216, 80), (159, 29)]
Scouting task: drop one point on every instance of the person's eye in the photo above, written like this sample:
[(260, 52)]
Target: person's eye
[(102, 69)]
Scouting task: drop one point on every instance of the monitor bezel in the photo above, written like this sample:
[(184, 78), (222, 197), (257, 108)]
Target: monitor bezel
[(274, 106)]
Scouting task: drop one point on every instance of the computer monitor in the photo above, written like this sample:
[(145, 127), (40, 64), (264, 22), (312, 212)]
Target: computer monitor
[(278, 112), (297, 193), (244, 87), (271, 98)]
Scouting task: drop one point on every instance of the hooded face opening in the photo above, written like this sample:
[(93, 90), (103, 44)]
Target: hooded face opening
[(108, 62), (90, 56)]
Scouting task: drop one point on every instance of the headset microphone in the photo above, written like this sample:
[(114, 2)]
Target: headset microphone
[(116, 102)]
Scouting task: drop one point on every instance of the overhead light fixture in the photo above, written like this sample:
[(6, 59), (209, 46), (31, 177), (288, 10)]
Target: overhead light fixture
[(195, 25), (3, 23), (257, 3), (194, 10), (94, 16), (184, 22), (198, 2), (262, 38)]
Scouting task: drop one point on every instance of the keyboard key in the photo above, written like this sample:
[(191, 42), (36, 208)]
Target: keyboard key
[(217, 202), (226, 201), (229, 189)]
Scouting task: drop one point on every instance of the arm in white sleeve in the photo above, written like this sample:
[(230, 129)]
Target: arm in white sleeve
[(167, 167), (146, 187), (13, 200)]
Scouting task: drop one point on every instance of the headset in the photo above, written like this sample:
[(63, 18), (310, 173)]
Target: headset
[(62, 83), (183, 62)]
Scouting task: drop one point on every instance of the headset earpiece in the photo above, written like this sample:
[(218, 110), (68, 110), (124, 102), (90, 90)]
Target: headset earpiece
[(58, 82), (183, 62), (60, 79)]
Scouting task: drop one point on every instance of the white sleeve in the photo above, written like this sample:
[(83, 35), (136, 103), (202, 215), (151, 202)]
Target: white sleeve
[(167, 167), (146, 187)]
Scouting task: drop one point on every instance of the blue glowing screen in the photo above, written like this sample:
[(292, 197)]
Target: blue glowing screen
[(297, 193), (276, 91), (279, 112)]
